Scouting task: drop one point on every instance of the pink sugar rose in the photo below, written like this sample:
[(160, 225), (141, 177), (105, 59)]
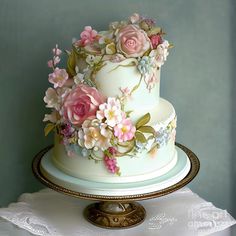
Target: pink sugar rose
[(81, 104), (87, 36), (58, 77), (155, 40), (132, 41)]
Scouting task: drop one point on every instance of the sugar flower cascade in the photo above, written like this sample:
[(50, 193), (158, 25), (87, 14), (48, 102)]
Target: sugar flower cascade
[(86, 121)]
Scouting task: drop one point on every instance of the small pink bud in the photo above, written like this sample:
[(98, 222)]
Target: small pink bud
[(50, 64), (112, 150), (56, 60), (56, 51)]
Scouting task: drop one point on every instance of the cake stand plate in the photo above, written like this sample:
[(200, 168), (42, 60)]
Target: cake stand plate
[(117, 208)]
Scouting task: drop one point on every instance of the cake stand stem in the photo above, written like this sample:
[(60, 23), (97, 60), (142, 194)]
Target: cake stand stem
[(115, 215)]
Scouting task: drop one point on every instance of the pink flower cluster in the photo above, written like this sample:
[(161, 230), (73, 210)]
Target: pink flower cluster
[(110, 160), (111, 113), (56, 59), (59, 76), (85, 103), (88, 36)]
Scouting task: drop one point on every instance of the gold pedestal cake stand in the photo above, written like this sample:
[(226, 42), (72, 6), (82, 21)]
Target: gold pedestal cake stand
[(116, 212)]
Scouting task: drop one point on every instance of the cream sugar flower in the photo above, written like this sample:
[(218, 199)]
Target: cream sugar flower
[(52, 99), (160, 53), (111, 111), (53, 117), (93, 134)]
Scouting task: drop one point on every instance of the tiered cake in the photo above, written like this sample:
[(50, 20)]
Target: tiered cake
[(110, 123)]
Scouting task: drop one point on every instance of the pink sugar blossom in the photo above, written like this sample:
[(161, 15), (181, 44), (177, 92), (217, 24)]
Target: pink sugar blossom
[(55, 61), (50, 63), (56, 51), (125, 130), (87, 36), (126, 92), (58, 77), (151, 80), (155, 40)]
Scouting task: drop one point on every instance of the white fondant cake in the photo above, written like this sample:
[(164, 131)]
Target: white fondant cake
[(113, 76), (111, 124)]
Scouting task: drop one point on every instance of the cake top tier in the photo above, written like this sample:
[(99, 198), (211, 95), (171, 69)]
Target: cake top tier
[(110, 74), (138, 38)]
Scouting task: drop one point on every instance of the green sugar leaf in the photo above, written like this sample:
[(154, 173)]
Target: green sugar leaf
[(140, 137), (147, 129), (143, 120), (71, 64)]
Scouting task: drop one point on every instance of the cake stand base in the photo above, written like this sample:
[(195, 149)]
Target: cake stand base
[(115, 215), (117, 208)]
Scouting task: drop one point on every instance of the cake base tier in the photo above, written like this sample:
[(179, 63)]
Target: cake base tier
[(184, 171)]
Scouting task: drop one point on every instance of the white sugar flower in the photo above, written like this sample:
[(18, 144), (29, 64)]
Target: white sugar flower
[(52, 99), (111, 111), (105, 37), (53, 117), (162, 53), (93, 60), (134, 18), (79, 77), (62, 92)]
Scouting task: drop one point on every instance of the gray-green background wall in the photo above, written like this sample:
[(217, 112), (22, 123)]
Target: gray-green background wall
[(198, 78)]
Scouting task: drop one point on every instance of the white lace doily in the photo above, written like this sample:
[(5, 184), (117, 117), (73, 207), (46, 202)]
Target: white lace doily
[(183, 212)]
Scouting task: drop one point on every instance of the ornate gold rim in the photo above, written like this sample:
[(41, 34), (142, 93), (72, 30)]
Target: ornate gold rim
[(195, 166)]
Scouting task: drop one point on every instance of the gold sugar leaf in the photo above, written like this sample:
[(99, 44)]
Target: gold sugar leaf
[(48, 128)]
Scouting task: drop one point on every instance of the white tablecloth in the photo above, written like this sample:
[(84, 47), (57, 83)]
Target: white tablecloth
[(50, 213)]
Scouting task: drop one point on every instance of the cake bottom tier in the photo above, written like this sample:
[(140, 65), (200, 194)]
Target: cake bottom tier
[(81, 186), (133, 169)]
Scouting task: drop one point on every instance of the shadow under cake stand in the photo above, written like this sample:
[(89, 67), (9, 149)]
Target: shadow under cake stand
[(116, 208)]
